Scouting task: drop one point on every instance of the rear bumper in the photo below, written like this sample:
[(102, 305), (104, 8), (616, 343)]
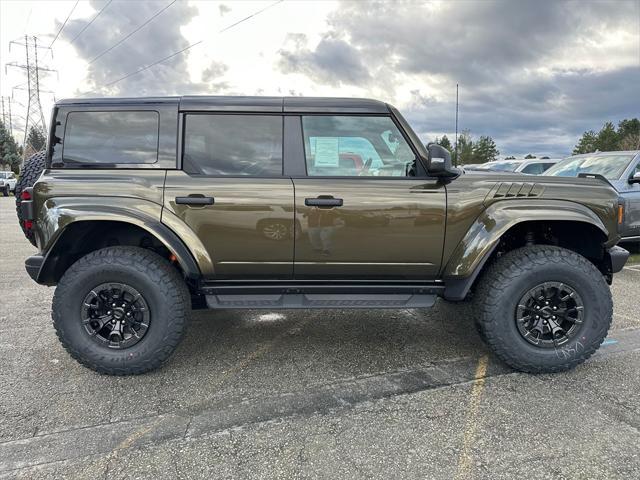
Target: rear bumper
[(33, 265), (618, 257)]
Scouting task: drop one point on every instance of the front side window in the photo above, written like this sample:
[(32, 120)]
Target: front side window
[(118, 137), (233, 145), (348, 146)]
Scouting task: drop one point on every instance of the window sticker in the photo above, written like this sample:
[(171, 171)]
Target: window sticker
[(327, 152)]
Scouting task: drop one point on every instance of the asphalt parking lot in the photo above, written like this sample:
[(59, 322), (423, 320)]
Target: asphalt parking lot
[(315, 394)]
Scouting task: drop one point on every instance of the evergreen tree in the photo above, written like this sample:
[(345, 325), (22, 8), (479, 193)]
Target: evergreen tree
[(510, 157), (587, 143), (485, 150), (529, 156), (465, 149), (9, 151), (444, 142), (607, 139), (36, 139)]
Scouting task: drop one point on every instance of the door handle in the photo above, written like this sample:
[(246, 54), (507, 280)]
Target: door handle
[(323, 202), (194, 200)]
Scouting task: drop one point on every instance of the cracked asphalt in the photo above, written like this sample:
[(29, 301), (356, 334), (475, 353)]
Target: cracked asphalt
[(312, 394)]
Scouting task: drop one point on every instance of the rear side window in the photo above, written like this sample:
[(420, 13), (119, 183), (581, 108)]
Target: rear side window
[(116, 137), (235, 145)]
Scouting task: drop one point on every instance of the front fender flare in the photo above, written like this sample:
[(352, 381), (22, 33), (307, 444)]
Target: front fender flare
[(473, 251)]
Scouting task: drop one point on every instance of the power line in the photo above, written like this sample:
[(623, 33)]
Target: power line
[(89, 24), (125, 38), (65, 22), (186, 48)]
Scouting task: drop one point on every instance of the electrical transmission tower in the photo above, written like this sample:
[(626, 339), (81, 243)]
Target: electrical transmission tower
[(34, 117)]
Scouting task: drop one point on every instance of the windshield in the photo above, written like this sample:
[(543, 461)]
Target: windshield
[(609, 166), (4, 175)]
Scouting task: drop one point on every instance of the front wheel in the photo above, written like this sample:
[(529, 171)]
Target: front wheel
[(121, 310), (5, 191), (543, 308)]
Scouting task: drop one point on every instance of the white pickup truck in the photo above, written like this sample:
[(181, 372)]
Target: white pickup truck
[(7, 183)]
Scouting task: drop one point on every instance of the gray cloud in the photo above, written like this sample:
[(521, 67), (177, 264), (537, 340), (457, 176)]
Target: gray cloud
[(497, 51), (333, 62), (156, 40)]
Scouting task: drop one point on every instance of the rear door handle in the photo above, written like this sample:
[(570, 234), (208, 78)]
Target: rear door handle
[(194, 200), (323, 202)]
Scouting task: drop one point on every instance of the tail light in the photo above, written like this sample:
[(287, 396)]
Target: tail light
[(25, 195), (28, 224)]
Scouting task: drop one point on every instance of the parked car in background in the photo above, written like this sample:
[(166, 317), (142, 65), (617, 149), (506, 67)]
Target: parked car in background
[(622, 170), (7, 183), (534, 166)]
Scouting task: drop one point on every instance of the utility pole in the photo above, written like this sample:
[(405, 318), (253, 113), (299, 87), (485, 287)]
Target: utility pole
[(456, 164), (34, 117)]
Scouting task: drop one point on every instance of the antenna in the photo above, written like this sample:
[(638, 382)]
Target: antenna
[(456, 163)]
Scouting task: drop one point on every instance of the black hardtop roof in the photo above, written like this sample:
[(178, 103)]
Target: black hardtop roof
[(197, 103)]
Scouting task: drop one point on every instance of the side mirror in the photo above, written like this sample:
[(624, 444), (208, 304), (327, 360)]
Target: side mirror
[(635, 178), (439, 162)]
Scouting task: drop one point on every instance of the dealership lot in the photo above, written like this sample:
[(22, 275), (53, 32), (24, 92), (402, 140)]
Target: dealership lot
[(303, 394)]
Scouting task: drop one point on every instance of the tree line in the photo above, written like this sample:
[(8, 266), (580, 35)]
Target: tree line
[(608, 139), (11, 153), (469, 150)]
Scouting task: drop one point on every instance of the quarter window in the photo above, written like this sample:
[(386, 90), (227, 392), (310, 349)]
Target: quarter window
[(111, 138), (350, 146), (233, 145)]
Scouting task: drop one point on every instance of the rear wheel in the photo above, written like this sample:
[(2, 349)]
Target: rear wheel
[(121, 310), (29, 173), (543, 308)]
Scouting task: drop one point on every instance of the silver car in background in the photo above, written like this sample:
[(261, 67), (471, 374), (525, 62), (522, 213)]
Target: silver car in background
[(534, 166), (622, 170)]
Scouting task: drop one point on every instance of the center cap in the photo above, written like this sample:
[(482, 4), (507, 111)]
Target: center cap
[(118, 313)]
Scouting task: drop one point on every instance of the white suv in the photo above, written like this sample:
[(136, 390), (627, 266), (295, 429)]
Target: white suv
[(534, 166), (7, 183)]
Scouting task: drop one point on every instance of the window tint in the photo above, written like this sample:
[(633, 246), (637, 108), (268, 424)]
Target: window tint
[(233, 145), (111, 138), (533, 169), (355, 146)]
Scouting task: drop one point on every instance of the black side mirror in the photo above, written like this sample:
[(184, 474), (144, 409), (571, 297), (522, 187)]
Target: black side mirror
[(439, 162), (635, 178)]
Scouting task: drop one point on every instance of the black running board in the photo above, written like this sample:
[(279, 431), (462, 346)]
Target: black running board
[(319, 300), (312, 294)]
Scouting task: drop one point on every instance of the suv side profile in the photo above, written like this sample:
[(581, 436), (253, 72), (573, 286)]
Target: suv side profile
[(7, 183), (143, 208)]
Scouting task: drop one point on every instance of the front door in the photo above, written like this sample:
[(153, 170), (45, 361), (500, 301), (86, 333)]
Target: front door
[(232, 194), (362, 211)]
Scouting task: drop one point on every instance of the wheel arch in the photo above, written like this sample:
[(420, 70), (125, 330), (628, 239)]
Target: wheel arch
[(507, 225), (84, 235)]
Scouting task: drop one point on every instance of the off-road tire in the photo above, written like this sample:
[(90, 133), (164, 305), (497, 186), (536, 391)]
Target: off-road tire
[(29, 173), (505, 282), (163, 289)]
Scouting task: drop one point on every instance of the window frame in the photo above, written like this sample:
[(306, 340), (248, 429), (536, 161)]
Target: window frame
[(182, 140), (115, 164), (420, 168)]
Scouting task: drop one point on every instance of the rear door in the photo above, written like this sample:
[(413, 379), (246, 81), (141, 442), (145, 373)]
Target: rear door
[(232, 193), (363, 212)]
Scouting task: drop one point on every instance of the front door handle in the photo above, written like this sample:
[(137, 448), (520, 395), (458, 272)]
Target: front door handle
[(323, 202), (194, 200)]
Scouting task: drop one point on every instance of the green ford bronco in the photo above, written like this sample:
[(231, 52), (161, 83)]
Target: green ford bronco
[(145, 208)]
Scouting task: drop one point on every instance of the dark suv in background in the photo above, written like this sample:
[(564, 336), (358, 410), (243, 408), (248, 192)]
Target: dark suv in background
[(143, 207)]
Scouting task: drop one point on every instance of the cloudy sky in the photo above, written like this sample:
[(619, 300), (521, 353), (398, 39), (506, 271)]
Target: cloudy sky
[(533, 74)]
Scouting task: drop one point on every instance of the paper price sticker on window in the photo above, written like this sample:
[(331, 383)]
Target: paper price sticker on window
[(327, 152)]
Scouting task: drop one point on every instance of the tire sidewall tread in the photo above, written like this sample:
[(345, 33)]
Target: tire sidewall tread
[(163, 289), (505, 282)]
